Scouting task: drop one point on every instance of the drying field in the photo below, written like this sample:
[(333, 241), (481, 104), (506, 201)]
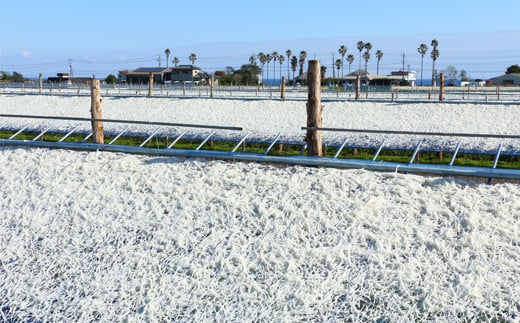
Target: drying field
[(265, 119), (97, 236)]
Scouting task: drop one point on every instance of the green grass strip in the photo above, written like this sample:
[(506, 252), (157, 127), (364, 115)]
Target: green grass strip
[(398, 156)]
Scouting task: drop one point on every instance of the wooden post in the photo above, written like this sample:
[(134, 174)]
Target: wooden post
[(358, 87), (95, 111), (40, 83), (441, 86), (211, 80), (282, 88), (150, 83), (314, 109)]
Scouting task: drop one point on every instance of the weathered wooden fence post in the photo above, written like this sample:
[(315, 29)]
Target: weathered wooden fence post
[(282, 88), (96, 112), (314, 109), (40, 83), (441, 86), (211, 80), (150, 83), (358, 87)]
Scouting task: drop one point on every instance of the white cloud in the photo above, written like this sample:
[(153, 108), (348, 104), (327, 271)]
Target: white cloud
[(25, 53)]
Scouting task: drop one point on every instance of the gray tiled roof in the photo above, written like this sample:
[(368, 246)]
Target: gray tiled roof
[(150, 69)]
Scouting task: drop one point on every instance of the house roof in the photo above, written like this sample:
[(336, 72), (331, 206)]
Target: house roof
[(510, 75), (151, 70), (184, 67)]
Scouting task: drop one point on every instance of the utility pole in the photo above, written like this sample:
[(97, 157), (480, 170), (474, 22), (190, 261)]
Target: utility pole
[(71, 74), (333, 72), (403, 55)]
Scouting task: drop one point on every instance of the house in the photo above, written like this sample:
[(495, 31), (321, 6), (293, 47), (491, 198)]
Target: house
[(142, 75), (512, 79), (188, 73), (59, 78), (475, 83), (162, 75), (395, 78), (121, 76)]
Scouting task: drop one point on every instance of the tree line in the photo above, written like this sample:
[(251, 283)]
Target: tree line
[(249, 73), (15, 77)]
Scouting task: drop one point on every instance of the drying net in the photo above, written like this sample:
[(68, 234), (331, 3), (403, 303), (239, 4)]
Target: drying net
[(91, 236)]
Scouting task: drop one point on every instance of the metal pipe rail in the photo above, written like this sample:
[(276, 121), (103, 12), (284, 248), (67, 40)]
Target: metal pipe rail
[(443, 170), (415, 133), (233, 155), (151, 123)]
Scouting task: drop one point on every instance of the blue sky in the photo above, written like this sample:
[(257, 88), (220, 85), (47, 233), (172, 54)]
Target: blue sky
[(101, 37)]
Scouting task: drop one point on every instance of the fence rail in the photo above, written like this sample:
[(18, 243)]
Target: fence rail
[(488, 94), (415, 133), (233, 155), (151, 123)]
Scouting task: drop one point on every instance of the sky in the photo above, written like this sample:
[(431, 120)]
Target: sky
[(102, 37)]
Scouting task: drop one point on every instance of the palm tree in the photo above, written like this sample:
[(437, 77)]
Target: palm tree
[(360, 46), (366, 57), (281, 59), (434, 55), (350, 60), (274, 56), (175, 61), (268, 59), (339, 64), (288, 53), (252, 59), (192, 58), (263, 59), (342, 51), (379, 55), (301, 61), (423, 49), (294, 66), (167, 52)]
